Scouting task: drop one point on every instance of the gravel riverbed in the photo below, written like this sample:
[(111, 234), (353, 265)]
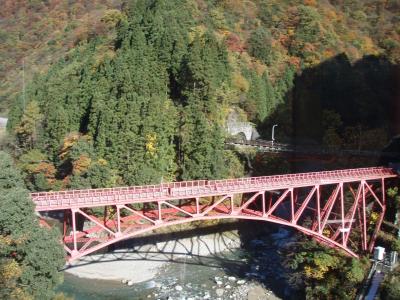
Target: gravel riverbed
[(201, 269)]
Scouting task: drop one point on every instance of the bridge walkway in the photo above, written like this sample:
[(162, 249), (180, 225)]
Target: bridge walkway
[(46, 201)]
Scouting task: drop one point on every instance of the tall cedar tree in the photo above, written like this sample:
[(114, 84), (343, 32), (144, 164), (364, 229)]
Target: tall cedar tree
[(205, 69)]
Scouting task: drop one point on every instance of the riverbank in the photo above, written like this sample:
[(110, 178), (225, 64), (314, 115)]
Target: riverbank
[(183, 279), (142, 262), (224, 261)]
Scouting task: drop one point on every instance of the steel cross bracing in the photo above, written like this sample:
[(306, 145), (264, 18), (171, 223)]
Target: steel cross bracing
[(342, 209)]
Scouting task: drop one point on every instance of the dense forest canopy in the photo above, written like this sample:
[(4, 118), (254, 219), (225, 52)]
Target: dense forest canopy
[(36, 33), (101, 93), (143, 96), (30, 255)]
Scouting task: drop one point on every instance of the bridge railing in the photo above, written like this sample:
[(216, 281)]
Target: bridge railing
[(162, 188), (202, 187)]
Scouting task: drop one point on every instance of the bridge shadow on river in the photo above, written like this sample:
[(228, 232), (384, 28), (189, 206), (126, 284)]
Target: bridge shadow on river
[(240, 248)]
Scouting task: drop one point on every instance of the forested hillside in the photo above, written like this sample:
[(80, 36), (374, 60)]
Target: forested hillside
[(145, 99), (35, 33)]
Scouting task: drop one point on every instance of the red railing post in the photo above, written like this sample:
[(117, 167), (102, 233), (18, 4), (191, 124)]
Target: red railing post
[(343, 229), (318, 191), (364, 218), (381, 217), (263, 203), (292, 205), (118, 220), (197, 206), (75, 251), (159, 211)]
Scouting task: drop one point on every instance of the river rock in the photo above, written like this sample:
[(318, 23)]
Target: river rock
[(178, 288), (219, 282), (124, 281), (255, 267), (150, 284), (256, 293), (232, 278), (130, 283), (251, 274), (219, 292), (241, 281), (227, 286)]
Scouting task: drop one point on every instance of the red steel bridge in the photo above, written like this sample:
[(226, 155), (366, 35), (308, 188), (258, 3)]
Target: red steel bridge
[(342, 209)]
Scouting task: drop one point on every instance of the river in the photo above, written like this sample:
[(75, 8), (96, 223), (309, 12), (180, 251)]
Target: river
[(236, 273)]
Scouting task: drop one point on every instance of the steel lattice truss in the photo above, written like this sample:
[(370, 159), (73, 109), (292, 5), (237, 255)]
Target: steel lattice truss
[(342, 209)]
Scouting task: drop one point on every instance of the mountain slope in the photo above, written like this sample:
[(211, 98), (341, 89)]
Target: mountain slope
[(147, 100), (35, 33)]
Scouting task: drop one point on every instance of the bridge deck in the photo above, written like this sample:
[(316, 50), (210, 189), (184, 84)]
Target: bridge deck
[(200, 188)]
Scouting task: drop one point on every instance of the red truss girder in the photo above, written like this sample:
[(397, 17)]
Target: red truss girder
[(343, 209)]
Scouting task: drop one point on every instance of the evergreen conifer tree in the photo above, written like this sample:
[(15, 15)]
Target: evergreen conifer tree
[(201, 141), (30, 255)]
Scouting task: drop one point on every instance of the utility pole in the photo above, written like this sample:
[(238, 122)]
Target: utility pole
[(23, 82), (273, 133)]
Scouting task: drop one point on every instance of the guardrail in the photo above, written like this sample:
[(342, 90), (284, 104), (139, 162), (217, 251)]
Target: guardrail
[(198, 188), (269, 146)]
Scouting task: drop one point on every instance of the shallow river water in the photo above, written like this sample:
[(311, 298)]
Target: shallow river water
[(228, 275), (195, 278)]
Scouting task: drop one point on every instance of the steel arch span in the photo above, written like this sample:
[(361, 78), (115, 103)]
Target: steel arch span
[(342, 209)]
